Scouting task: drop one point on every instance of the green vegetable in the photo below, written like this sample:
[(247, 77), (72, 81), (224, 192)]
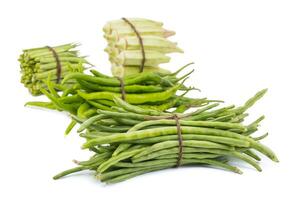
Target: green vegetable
[(40, 63), (151, 143), (125, 51), (153, 91)]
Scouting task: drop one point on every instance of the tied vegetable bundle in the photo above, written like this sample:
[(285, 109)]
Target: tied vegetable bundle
[(133, 140), (149, 90), (135, 123), (136, 45), (38, 64)]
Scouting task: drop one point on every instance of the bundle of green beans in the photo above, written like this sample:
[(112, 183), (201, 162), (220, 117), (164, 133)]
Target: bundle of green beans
[(124, 48), (150, 90), (38, 64), (130, 140)]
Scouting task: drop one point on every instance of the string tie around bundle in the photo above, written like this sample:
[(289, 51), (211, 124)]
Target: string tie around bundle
[(58, 63), (141, 67)]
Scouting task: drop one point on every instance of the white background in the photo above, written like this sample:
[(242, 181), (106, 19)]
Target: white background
[(239, 47)]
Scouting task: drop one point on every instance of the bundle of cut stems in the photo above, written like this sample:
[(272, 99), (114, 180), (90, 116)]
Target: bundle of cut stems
[(38, 64), (125, 49)]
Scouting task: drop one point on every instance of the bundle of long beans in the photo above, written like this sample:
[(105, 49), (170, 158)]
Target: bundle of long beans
[(130, 140), (38, 64), (135, 40), (152, 90)]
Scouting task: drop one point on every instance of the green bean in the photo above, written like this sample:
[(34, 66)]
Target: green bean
[(224, 118), (220, 125), (214, 163), (253, 126), (132, 98), (71, 99), (189, 156), (71, 90), (94, 160), (50, 86), (113, 160), (169, 165), (135, 135), (185, 130), (115, 173), (261, 137), (128, 89), (141, 78), (214, 151), (99, 105), (56, 102), (47, 105), (181, 69), (181, 108), (238, 118), (118, 109), (129, 140), (82, 108), (253, 100), (99, 74), (121, 103), (90, 112), (160, 107), (111, 129), (105, 102), (217, 139), (131, 175), (186, 143), (170, 151), (122, 147), (206, 115), (126, 121), (70, 127), (108, 122), (252, 154), (69, 171), (94, 134), (201, 111), (89, 122), (145, 164)]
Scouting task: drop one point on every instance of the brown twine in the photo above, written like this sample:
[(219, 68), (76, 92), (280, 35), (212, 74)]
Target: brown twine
[(59, 67), (179, 132), (122, 88), (180, 141), (140, 42)]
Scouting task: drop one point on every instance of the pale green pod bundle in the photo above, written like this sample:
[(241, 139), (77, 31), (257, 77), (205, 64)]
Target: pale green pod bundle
[(53, 63), (152, 43), (128, 39), (134, 57), (137, 22), (129, 70), (146, 30)]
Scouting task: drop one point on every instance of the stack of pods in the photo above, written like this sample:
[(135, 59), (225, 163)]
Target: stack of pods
[(39, 64), (136, 45)]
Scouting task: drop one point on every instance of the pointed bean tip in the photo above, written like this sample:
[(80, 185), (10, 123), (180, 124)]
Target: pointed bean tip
[(259, 170), (275, 159), (80, 130)]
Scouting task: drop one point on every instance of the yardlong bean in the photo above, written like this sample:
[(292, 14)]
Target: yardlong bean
[(150, 127)]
